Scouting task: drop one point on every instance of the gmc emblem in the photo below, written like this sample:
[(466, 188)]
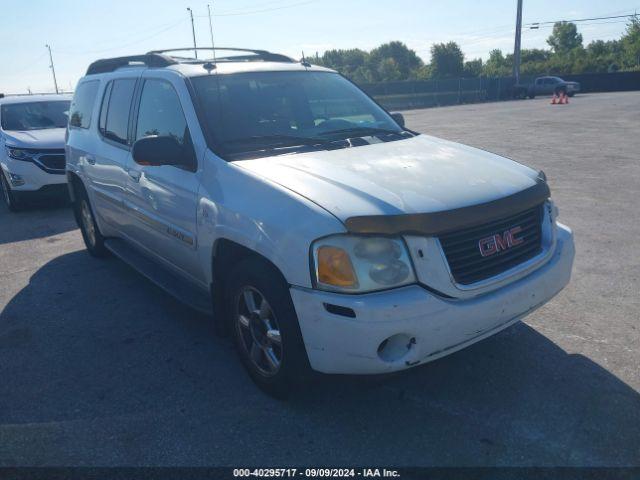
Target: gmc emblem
[(498, 243)]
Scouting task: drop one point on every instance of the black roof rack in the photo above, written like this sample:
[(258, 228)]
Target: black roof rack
[(255, 55), (151, 59)]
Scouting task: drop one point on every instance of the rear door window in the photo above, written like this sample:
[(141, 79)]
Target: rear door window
[(114, 125), (82, 104)]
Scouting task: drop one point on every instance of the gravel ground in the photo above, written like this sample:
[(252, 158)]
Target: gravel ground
[(99, 367)]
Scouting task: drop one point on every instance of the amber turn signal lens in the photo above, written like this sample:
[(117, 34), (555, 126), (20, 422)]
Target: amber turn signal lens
[(335, 268)]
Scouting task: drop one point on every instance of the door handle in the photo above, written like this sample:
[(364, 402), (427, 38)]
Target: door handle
[(91, 160), (135, 175)]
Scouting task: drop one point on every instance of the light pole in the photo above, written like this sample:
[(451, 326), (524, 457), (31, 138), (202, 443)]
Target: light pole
[(193, 30), (517, 47), (53, 70)]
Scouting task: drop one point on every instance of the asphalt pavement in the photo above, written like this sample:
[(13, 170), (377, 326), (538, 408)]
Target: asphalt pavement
[(99, 367)]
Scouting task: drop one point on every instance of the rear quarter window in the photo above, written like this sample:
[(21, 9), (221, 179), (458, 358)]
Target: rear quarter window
[(82, 104)]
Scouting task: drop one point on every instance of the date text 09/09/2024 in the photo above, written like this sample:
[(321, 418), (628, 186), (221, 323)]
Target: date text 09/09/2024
[(315, 473)]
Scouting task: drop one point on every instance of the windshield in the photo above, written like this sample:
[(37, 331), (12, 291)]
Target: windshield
[(34, 115), (253, 112)]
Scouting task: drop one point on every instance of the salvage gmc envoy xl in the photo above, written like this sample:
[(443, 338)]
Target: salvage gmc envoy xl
[(321, 233)]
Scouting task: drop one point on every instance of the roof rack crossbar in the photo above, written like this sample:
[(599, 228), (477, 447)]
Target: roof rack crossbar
[(151, 59), (262, 55)]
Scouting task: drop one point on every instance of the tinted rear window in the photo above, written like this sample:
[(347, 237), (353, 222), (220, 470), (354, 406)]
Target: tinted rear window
[(117, 118), (82, 104)]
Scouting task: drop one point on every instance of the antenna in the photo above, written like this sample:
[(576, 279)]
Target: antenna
[(304, 61), (193, 30), (213, 44)]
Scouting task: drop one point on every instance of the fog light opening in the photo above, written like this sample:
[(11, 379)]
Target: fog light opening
[(16, 180), (395, 348)]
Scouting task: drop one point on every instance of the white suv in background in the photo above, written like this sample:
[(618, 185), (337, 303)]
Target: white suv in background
[(32, 161), (322, 233)]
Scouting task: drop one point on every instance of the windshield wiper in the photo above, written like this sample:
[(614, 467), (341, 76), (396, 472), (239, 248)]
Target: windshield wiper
[(281, 140), (364, 131)]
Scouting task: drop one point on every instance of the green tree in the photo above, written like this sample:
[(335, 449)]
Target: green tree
[(564, 37), (472, 68), (347, 62), (388, 70), (631, 44), (497, 65), (405, 62), (447, 60)]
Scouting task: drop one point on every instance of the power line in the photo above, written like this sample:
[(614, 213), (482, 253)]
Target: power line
[(27, 66), (130, 44), (264, 10), (581, 20), (586, 24)]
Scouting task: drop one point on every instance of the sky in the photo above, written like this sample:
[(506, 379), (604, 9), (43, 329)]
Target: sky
[(81, 31)]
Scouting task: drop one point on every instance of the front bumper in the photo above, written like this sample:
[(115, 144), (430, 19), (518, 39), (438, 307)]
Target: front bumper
[(33, 177), (420, 325)]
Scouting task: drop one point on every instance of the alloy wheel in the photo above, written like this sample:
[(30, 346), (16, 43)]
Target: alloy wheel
[(258, 331), (87, 222)]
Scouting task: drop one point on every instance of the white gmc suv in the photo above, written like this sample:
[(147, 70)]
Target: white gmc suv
[(322, 233), (32, 140)]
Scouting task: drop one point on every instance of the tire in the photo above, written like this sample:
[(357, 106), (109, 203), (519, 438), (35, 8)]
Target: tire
[(7, 195), (532, 96), (572, 94), (265, 329), (91, 235)]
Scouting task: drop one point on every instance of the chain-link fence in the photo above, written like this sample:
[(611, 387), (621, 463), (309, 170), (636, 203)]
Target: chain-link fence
[(453, 91)]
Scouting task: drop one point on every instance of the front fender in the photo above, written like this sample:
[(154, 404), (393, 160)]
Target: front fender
[(279, 224)]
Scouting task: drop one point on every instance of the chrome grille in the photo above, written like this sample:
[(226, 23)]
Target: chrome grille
[(462, 247)]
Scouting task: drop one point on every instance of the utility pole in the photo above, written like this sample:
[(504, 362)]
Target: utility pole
[(193, 30), (213, 44), (53, 70), (516, 50)]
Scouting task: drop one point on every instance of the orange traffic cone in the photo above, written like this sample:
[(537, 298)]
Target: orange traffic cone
[(566, 99), (554, 99)]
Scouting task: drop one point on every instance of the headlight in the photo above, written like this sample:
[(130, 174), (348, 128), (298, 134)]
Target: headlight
[(354, 264), (18, 153)]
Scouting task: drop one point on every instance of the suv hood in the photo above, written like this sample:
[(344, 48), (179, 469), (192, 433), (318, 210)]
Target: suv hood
[(417, 175), (47, 138)]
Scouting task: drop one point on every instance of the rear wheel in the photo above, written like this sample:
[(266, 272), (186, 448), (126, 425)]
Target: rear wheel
[(7, 195), (91, 235), (265, 327)]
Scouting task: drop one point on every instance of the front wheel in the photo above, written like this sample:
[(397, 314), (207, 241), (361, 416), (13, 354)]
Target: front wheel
[(265, 327), (8, 196)]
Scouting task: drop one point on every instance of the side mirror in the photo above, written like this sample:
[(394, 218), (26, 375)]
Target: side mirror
[(157, 151), (399, 118)]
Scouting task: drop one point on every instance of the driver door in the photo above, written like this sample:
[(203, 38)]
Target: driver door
[(162, 200)]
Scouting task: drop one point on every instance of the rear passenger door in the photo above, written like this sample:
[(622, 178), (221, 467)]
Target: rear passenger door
[(107, 168), (163, 199)]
